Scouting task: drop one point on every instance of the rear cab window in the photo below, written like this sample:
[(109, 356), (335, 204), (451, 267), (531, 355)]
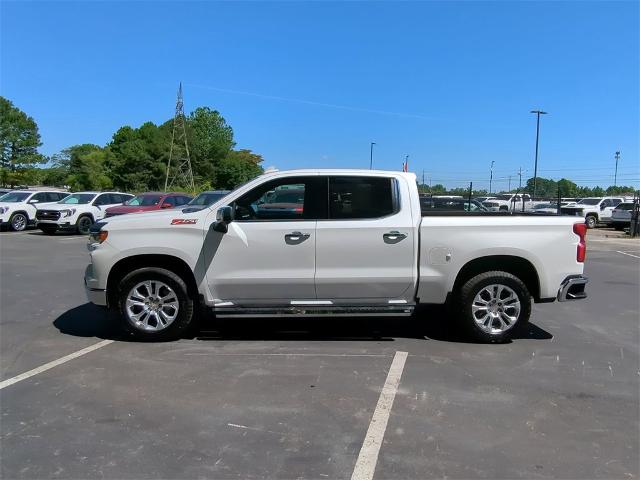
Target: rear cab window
[(353, 198)]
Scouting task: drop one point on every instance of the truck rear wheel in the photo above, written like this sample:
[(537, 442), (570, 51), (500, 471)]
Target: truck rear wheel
[(154, 304), (492, 306)]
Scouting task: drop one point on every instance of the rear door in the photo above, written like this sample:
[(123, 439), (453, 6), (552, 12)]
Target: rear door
[(365, 249), (268, 256)]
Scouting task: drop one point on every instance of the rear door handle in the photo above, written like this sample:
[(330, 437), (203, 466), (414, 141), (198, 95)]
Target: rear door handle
[(393, 237), (294, 238)]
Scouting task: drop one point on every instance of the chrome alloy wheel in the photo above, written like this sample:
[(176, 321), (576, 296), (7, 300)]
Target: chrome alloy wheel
[(496, 308), (18, 222), (151, 306)]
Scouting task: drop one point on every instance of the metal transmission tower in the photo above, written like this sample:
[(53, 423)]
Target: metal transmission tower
[(179, 171)]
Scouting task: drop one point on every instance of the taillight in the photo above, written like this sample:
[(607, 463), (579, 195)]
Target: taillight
[(580, 229)]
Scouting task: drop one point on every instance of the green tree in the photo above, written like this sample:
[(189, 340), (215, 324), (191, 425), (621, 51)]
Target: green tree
[(19, 142), (210, 142), (92, 171), (567, 188), (138, 158), (238, 167), (545, 187)]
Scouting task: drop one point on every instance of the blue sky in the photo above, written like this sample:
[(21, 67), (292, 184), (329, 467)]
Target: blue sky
[(310, 84)]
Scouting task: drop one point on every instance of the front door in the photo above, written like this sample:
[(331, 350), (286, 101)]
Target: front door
[(366, 250), (268, 254)]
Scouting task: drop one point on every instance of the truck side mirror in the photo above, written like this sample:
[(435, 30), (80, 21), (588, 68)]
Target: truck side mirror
[(224, 216)]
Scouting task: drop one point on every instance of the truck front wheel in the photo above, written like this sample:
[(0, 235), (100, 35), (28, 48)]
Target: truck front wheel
[(492, 306), (591, 221), (154, 304)]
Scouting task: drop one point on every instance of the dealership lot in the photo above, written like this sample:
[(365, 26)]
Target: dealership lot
[(296, 398)]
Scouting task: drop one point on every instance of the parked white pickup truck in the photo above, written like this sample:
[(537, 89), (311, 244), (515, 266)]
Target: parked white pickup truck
[(78, 211), (331, 242), (593, 210), (509, 202)]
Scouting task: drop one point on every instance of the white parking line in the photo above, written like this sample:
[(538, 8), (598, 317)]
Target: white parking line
[(55, 363), (630, 254), (368, 457)]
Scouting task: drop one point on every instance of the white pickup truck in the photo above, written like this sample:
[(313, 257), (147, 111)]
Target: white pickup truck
[(509, 202), (593, 210), (331, 242)]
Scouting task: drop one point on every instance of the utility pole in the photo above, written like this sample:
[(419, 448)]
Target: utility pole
[(491, 176), (423, 179), (181, 175), (615, 176), (535, 168), (509, 190), (520, 175), (371, 156)]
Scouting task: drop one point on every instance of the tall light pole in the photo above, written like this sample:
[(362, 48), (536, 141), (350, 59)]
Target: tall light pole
[(371, 156), (491, 176), (615, 176), (535, 168)]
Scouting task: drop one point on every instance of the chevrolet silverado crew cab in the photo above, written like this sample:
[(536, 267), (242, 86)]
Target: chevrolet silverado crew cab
[(78, 211), (18, 208), (331, 242)]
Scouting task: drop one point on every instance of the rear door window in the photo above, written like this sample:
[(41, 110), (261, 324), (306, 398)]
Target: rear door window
[(361, 197)]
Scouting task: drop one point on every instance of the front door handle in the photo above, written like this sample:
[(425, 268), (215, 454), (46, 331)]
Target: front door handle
[(295, 238), (393, 237)]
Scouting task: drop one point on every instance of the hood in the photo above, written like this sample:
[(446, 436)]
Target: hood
[(120, 209), (157, 219), (58, 206)]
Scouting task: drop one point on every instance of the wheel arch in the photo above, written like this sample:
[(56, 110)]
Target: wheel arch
[(168, 262), (517, 266)]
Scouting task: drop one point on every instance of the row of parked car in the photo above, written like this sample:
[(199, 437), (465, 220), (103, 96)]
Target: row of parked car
[(54, 210), (611, 211)]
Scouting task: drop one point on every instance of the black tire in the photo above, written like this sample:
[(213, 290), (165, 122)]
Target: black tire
[(591, 221), (18, 222), (48, 230), (185, 312), (83, 225), (464, 300)]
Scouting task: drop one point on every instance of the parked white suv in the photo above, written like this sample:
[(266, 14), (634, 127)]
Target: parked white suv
[(594, 210), (18, 208), (78, 211)]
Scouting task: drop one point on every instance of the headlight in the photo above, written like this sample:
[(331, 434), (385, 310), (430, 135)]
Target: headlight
[(67, 213), (96, 234)]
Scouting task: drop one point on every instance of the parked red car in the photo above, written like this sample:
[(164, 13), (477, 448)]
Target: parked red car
[(149, 201)]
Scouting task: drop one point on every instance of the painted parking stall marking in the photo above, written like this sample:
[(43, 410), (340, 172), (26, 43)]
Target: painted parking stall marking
[(368, 457), (629, 254), (55, 363)]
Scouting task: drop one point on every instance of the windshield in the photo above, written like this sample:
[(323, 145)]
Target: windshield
[(590, 201), (144, 200), (504, 197), (207, 198), (78, 199), (13, 197)]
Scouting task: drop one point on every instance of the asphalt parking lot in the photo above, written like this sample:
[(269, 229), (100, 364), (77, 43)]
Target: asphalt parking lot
[(296, 398)]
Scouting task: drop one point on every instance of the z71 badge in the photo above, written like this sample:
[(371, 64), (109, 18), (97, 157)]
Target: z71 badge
[(184, 221)]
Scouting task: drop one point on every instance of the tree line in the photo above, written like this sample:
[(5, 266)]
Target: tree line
[(134, 160)]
